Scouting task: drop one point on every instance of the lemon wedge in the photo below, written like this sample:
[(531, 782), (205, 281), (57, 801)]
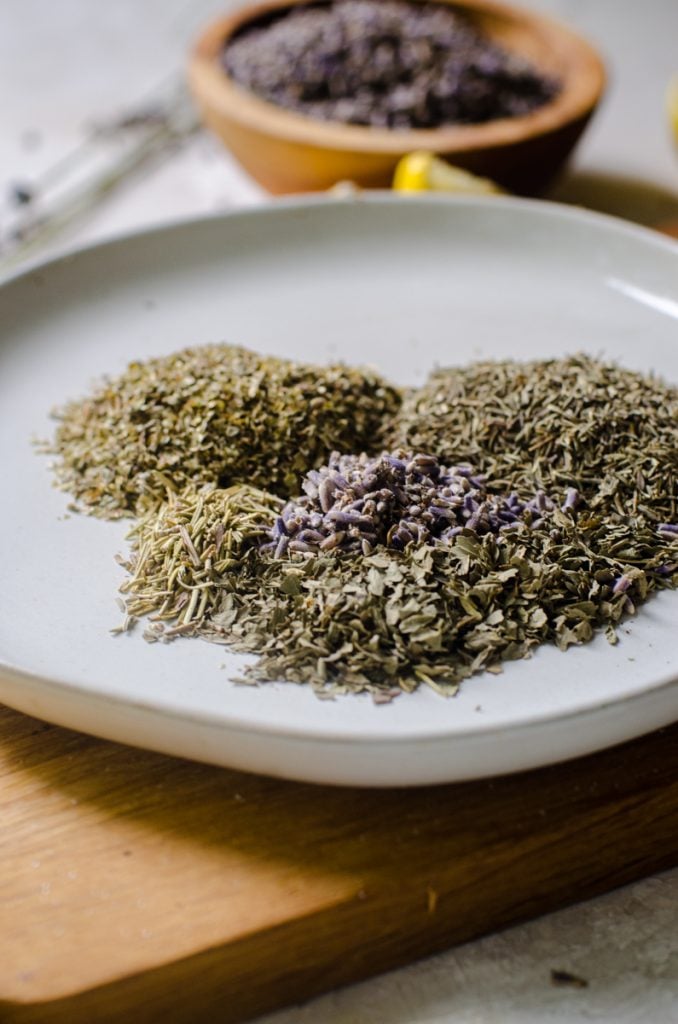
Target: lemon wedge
[(424, 172), (672, 105)]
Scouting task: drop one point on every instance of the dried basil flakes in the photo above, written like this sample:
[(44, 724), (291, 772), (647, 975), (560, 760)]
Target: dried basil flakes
[(390, 572)]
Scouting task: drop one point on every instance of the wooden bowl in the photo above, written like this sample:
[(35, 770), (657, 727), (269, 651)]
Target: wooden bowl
[(290, 152)]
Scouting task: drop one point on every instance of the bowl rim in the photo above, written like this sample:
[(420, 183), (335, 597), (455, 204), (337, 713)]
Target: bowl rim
[(581, 89)]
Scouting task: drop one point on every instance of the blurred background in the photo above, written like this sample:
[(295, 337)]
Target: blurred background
[(99, 135)]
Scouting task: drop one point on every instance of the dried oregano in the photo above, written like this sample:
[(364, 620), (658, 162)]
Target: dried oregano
[(217, 414), (435, 614)]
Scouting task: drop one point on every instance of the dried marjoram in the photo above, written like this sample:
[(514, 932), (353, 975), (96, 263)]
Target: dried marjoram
[(217, 414)]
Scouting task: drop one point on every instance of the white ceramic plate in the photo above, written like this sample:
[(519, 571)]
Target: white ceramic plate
[(403, 285)]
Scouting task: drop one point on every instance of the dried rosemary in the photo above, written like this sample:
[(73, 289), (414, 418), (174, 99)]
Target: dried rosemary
[(183, 553), (217, 414)]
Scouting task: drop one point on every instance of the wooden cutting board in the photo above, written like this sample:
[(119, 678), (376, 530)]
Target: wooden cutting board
[(137, 887)]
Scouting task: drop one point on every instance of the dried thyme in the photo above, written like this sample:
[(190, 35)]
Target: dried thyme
[(216, 414), (608, 432)]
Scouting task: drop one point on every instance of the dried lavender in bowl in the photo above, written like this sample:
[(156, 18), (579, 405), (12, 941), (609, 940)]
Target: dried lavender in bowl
[(386, 64)]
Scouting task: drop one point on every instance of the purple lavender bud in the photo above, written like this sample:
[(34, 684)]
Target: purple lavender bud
[(404, 535), (345, 518), (279, 528), (326, 491), (621, 585), (668, 529), (281, 547), (442, 513), (332, 541), (572, 499), (298, 545), (310, 536)]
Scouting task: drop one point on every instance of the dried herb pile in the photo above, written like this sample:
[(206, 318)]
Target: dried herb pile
[(185, 550), (216, 414), (436, 614), (357, 503), (449, 602), (519, 504), (578, 422)]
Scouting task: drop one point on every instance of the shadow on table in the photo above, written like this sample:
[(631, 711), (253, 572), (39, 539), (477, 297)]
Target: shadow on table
[(630, 198)]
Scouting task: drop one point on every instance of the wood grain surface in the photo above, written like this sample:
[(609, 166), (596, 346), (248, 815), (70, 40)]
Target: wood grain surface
[(137, 887)]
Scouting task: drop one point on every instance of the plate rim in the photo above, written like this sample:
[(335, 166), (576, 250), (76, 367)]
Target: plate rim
[(314, 732), (377, 197)]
